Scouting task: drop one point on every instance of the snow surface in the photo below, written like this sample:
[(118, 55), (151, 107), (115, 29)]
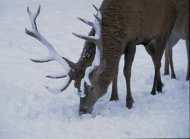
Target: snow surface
[(29, 111)]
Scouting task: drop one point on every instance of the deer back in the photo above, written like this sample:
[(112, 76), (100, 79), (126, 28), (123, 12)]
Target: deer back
[(137, 21)]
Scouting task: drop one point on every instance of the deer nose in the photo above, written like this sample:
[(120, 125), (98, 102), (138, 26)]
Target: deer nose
[(82, 111)]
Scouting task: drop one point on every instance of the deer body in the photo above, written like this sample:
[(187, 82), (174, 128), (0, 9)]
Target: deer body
[(180, 31)]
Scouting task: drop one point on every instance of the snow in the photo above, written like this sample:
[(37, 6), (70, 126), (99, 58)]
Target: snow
[(29, 111)]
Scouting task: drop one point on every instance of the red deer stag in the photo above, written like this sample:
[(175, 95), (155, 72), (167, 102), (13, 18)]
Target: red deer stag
[(180, 31), (123, 25)]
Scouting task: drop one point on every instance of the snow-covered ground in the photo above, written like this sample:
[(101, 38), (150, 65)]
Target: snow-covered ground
[(29, 111)]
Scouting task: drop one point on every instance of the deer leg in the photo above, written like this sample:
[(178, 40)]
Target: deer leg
[(157, 85), (166, 67), (150, 49), (114, 95), (157, 66), (169, 54), (187, 46), (171, 43), (129, 57), (159, 44)]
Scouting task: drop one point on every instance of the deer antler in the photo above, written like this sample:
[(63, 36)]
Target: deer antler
[(53, 55), (95, 39)]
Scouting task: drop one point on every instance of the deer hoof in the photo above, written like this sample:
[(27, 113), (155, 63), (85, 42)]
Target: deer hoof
[(114, 99), (187, 78), (166, 73), (153, 93), (159, 87), (173, 76), (129, 103)]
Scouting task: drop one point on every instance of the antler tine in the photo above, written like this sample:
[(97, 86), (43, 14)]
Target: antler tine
[(97, 18), (95, 7), (87, 38), (86, 22), (65, 87), (56, 76), (33, 17), (42, 60), (96, 25), (37, 12), (57, 91), (53, 55)]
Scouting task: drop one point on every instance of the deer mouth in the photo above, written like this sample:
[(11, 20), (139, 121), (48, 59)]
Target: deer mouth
[(84, 111)]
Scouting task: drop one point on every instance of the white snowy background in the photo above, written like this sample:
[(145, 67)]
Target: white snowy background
[(29, 111)]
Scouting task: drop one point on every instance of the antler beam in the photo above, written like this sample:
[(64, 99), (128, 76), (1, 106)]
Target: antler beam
[(53, 55)]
